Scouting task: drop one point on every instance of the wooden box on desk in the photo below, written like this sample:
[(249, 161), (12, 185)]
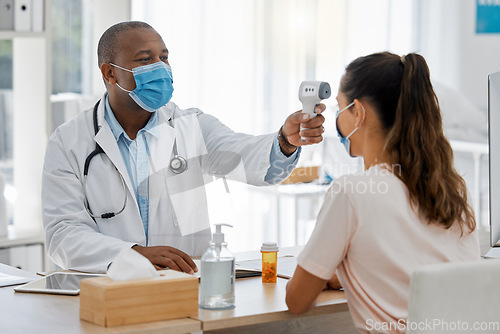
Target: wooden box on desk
[(113, 303)]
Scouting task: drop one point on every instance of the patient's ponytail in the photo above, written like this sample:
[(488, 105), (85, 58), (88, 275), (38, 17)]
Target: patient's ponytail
[(402, 93)]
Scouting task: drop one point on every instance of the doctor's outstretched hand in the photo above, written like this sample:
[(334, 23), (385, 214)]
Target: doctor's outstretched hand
[(167, 257), (290, 138)]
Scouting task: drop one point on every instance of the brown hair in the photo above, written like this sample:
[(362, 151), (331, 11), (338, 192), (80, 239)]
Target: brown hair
[(401, 92)]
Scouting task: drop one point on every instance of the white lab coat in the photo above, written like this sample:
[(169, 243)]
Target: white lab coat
[(177, 203)]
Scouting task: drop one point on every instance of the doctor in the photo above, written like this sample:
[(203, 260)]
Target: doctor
[(130, 172)]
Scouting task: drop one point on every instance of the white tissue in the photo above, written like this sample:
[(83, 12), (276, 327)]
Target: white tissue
[(129, 265)]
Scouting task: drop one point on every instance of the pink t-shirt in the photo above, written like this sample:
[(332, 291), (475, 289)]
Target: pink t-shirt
[(369, 233)]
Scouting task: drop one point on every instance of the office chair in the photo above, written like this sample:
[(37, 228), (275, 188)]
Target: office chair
[(455, 298)]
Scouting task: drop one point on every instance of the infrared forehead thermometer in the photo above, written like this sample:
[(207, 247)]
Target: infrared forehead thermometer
[(310, 94)]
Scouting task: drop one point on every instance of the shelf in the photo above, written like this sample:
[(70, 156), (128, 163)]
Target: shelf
[(7, 34), (14, 239), (32, 86)]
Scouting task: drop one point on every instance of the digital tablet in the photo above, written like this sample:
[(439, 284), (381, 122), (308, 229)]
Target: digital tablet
[(57, 283)]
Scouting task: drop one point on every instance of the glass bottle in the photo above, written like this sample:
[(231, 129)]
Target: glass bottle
[(217, 274)]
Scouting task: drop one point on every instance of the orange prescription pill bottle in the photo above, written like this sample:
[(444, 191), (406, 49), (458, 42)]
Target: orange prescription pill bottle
[(269, 252)]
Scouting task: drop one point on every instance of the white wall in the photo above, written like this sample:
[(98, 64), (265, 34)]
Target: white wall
[(460, 61), (457, 56), (480, 56), (105, 14)]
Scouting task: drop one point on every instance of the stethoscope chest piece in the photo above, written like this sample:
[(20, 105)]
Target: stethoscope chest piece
[(178, 164)]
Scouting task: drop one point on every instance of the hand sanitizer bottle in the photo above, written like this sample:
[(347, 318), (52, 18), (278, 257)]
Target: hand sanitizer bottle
[(217, 274)]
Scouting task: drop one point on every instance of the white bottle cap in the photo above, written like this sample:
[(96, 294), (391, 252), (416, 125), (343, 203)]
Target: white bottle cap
[(218, 236), (269, 247)]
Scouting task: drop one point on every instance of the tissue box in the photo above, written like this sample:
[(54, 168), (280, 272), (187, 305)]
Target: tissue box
[(113, 303)]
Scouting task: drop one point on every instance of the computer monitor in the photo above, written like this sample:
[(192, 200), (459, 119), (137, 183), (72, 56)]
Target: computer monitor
[(494, 152)]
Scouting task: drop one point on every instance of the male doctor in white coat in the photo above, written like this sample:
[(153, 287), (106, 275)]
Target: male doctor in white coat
[(143, 186)]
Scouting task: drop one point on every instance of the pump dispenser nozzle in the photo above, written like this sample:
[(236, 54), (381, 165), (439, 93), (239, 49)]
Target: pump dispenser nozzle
[(218, 236)]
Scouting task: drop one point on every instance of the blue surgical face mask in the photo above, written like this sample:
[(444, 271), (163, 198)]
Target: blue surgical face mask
[(345, 140), (153, 85)]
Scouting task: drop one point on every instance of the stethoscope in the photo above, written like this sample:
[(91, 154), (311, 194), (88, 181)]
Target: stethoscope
[(177, 165)]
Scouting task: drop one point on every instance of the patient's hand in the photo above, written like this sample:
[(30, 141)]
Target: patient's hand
[(334, 283)]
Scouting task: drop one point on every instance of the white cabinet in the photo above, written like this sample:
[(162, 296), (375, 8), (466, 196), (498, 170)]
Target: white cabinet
[(29, 257), (32, 86), (25, 251)]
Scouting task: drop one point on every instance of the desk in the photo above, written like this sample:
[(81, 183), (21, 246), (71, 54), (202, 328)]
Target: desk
[(259, 308), (47, 314)]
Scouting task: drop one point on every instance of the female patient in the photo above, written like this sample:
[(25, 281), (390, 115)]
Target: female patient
[(408, 209)]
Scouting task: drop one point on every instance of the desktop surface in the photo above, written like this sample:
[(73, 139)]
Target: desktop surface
[(258, 307), (258, 303)]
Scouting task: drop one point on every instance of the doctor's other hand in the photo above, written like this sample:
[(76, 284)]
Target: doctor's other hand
[(167, 257), (313, 130)]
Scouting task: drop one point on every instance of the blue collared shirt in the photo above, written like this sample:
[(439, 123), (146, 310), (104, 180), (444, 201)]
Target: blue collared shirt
[(136, 155)]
